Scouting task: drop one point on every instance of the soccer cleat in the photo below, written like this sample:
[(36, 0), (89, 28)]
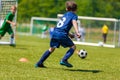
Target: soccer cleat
[(13, 45), (39, 66), (65, 63)]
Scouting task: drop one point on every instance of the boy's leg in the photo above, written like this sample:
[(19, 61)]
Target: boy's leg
[(67, 42), (0, 36), (53, 44), (10, 31), (105, 38), (12, 39), (2, 33), (44, 57), (68, 54)]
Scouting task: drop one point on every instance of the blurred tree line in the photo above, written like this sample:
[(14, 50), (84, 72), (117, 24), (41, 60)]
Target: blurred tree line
[(50, 8)]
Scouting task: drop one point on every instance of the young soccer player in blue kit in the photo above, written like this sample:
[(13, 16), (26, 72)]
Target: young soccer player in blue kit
[(61, 36)]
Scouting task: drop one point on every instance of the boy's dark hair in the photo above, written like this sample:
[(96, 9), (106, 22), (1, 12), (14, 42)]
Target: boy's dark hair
[(71, 6)]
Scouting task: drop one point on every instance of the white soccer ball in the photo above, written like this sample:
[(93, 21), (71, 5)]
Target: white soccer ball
[(82, 53), (100, 43)]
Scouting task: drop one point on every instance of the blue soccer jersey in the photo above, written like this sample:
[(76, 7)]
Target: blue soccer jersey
[(60, 33), (65, 23)]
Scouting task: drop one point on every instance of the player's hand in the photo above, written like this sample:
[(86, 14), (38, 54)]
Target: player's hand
[(14, 24), (78, 35), (71, 35)]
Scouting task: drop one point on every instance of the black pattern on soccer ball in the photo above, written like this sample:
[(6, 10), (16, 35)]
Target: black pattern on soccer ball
[(82, 54)]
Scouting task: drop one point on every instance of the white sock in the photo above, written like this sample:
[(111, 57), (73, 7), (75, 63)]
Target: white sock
[(12, 41)]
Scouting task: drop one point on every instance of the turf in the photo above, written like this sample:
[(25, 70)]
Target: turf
[(100, 64)]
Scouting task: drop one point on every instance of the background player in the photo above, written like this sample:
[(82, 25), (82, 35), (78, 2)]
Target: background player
[(6, 26), (61, 35), (104, 32)]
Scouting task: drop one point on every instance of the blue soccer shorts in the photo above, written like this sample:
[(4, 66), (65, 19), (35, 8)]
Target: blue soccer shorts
[(65, 42)]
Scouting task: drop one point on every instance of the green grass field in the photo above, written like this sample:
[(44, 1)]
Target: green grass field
[(100, 64)]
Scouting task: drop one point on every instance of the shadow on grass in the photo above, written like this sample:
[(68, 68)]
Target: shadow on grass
[(80, 70), (77, 70)]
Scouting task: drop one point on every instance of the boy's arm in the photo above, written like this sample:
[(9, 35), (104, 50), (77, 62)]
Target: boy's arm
[(8, 19), (75, 25), (10, 22)]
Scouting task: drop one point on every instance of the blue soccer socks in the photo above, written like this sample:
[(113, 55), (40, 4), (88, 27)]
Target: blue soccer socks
[(44, 57), (63, 62), (68, 54)]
